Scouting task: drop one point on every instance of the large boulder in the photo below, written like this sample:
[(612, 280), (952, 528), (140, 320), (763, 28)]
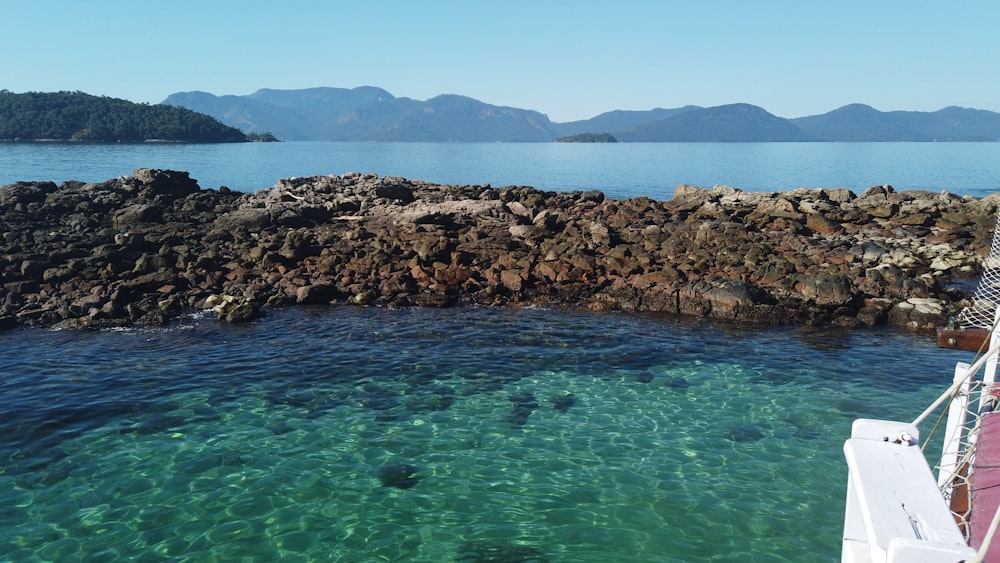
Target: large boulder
[(25, 192), (155, 182)]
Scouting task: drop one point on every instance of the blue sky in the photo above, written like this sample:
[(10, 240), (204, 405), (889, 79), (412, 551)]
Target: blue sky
[(570, 59)]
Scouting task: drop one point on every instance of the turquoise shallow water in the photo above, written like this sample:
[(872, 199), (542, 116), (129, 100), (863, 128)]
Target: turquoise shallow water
[(345, 434)]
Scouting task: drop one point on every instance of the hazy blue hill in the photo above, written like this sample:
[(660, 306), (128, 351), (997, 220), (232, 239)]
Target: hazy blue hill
[(728, 123), (957, 124), (289, 114), (371, 114), (459, 118), (334, 114), (323, 98), (617, 120), (368, 113), (244, 112), (858, 122)]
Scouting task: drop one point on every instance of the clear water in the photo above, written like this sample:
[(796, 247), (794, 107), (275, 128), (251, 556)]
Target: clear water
[(620, 170), (683, 441)]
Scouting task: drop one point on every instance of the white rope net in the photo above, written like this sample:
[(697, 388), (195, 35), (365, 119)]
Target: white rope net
[(958, 489), (976, 393), (984, 301)]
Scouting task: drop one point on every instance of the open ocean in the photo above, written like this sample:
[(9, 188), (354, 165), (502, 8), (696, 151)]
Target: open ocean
[(474, 434), (620, 170)]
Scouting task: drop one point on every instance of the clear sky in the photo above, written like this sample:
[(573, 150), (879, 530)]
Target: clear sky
[(571, 59)]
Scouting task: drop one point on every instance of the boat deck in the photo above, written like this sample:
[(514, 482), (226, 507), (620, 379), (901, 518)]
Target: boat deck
[(986, 484)]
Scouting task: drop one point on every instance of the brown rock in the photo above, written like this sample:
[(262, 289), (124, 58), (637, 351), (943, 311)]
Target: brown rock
[(827, 289), (242, 312), (821, 224), (512, 280)]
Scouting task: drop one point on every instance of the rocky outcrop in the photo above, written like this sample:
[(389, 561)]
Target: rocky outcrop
[(152, 246)]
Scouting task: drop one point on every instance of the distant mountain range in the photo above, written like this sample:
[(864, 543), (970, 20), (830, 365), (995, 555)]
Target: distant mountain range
[(368, 113)]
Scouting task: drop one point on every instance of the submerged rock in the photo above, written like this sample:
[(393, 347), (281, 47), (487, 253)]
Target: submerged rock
[(524, 399), (562, 403), (524, 404), (678, 383), (399, 476), (745, 433)]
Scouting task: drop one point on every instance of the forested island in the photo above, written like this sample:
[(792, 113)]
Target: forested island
[(588, 138), (77, 116)]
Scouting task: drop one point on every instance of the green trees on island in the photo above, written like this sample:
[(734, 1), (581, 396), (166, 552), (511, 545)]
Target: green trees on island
[(265, 137), (76, 116), (588, 138)]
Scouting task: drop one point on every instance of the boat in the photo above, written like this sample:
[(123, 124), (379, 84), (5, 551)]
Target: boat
[(897, 510)]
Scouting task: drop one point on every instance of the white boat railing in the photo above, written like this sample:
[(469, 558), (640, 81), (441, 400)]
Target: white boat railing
[(895, 512)]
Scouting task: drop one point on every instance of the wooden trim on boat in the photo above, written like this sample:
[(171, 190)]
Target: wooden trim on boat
[(960, 506), (968, 339)]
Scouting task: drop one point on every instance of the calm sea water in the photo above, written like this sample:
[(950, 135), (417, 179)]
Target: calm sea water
[(350, 434), (541, 435), (620, 170)]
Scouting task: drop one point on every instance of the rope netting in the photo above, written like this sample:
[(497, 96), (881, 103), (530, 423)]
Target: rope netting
[(984, 301), (974, 394), (957, 489)]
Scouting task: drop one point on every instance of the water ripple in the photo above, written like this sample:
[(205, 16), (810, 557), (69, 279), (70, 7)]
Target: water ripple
[(272, 440)]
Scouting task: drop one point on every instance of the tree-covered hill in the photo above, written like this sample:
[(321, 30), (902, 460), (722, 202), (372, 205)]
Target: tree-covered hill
[(76, 116)]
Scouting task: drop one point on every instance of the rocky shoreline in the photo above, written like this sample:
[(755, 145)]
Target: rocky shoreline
[(147, 248)]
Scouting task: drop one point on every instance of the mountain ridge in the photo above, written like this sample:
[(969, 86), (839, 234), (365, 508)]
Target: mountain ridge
[(369, 113)]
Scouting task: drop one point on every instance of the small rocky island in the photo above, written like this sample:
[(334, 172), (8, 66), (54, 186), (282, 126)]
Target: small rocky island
[(588, 138), (147, 248)]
